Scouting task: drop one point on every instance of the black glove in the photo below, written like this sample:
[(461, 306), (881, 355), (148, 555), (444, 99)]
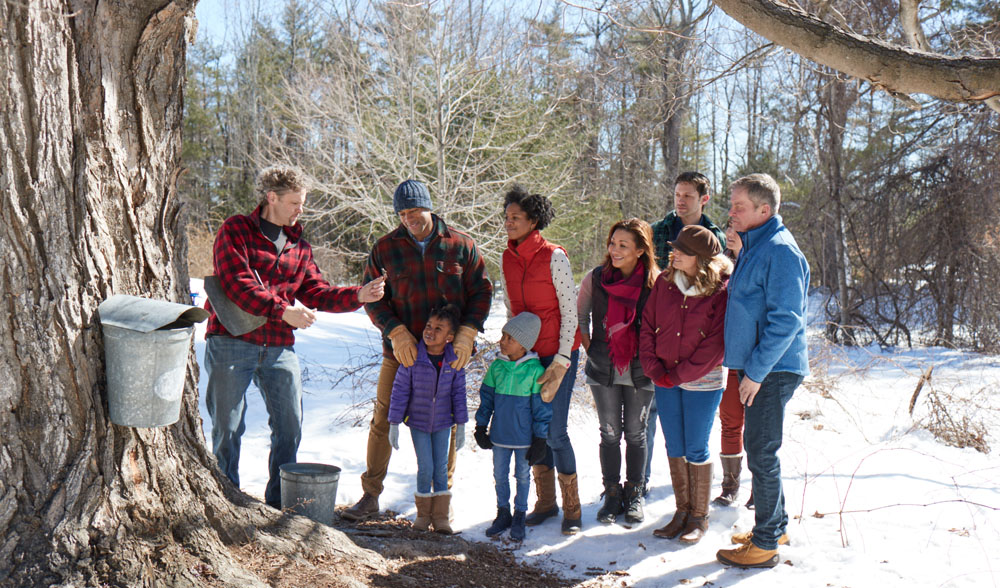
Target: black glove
[(536, 453), (482, 439)]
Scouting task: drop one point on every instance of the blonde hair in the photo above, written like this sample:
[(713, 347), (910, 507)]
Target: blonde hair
[(642, 234), (280, 179), (712, 272)]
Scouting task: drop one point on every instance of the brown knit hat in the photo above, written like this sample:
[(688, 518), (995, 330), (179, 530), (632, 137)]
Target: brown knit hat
[(697, 240)]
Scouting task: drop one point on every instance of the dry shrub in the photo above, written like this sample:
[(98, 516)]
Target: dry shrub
[(331, 263), (201, 237), (820, 381), (957, 431)]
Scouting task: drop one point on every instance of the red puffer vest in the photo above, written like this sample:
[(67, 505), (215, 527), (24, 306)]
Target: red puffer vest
[(526, 269)]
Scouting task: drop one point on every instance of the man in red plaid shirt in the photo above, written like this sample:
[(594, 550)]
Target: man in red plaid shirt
[(425, 263), (263, 266)]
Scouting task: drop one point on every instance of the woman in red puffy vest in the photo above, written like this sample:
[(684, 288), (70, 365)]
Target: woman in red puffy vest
[(538, 278)]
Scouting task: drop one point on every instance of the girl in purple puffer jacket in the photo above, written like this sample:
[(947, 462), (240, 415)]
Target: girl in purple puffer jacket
[(429, 397)]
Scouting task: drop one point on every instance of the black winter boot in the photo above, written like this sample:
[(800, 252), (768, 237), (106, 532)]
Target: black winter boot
[(633, 504), (501, 523), (612, 504), (517, 526)]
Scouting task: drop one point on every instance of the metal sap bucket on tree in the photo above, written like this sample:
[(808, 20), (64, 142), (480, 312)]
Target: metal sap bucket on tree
[(146, 345)]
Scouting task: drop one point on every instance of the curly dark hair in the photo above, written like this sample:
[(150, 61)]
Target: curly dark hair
[(537, 207), (450, 313)]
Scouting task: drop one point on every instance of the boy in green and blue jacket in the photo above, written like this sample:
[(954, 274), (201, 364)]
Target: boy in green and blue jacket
[(510, 397)]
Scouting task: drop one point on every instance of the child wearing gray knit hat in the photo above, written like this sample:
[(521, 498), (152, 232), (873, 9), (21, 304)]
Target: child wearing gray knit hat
[(524, 328), (513, 420)]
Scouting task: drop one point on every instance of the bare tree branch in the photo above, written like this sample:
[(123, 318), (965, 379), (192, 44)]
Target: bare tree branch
[(893, 68)]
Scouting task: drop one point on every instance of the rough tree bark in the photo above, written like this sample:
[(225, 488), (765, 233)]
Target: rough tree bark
[(897, 69), (90, 124)]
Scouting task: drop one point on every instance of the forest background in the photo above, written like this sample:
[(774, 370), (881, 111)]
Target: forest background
[(892, 198)]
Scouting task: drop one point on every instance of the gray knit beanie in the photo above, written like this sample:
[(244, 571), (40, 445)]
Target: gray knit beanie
[(411, 194), (524, 329)]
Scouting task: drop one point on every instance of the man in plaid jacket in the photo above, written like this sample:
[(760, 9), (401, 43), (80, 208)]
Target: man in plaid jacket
[(425, 263), (263, 266)]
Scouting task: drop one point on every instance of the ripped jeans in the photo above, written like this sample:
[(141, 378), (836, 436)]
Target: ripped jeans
[(622, 410)]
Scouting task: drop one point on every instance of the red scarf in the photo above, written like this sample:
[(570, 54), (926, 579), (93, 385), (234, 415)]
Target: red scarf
[(623, 296)]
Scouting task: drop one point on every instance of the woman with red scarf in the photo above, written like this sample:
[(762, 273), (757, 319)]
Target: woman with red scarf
[(610, 307), (681, 348)]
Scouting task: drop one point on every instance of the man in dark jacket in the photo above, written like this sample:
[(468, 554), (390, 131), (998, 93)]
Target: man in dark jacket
[(691, 194), (263, 266), (425, 263)]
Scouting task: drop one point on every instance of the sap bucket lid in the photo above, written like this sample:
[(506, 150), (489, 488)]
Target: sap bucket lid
[(146, 315), (236, 320)]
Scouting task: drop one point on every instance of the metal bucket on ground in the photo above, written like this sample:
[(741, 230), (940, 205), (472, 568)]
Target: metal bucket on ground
[(310, 489), (146, 344)]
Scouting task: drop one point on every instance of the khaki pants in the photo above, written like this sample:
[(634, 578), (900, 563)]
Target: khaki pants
[(379, 450)]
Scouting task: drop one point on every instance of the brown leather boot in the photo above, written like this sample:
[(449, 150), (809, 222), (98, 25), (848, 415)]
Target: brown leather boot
[(545, 495), (700, 484), (440, 503), (365, 508), (679, 479), (732, 465), (572, 520), (423, 520)]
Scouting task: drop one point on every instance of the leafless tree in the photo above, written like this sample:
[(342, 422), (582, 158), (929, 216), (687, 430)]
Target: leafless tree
[(432, 93)]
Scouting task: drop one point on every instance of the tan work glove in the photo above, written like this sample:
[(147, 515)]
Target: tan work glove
[(551, 380), (404, 345), (465, 338)]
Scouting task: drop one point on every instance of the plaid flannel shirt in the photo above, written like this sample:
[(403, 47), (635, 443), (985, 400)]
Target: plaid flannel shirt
[(666, 230), (451, 270), (263, 282)]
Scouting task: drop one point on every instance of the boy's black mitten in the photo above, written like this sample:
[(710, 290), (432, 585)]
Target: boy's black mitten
[(482, 439), (536, 453)]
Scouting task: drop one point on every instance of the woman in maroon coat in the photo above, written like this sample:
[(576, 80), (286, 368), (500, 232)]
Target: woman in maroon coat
[(681, 349)]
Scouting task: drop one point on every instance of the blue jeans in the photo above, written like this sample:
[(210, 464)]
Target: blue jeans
[(686, 418), (432, 459), (559, 451), (501, 476), (231, 365), (761, 440)]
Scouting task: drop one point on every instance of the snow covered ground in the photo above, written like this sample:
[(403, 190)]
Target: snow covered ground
[(874, 499)]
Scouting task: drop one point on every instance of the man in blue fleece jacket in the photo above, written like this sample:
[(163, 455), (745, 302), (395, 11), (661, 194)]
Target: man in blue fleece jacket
[(765, 338)]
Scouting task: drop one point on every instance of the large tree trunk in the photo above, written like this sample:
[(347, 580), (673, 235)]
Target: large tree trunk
[(89, 148)]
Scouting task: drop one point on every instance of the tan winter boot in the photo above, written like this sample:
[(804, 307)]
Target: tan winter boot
[(744, 538), (545, 495), (679, 480), (440, 503), (700, 487), (732, 465), (572, 519), (423, 520), (748, 556)]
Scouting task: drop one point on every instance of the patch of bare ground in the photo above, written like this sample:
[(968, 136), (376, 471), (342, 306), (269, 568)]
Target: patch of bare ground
[(412, 559)]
